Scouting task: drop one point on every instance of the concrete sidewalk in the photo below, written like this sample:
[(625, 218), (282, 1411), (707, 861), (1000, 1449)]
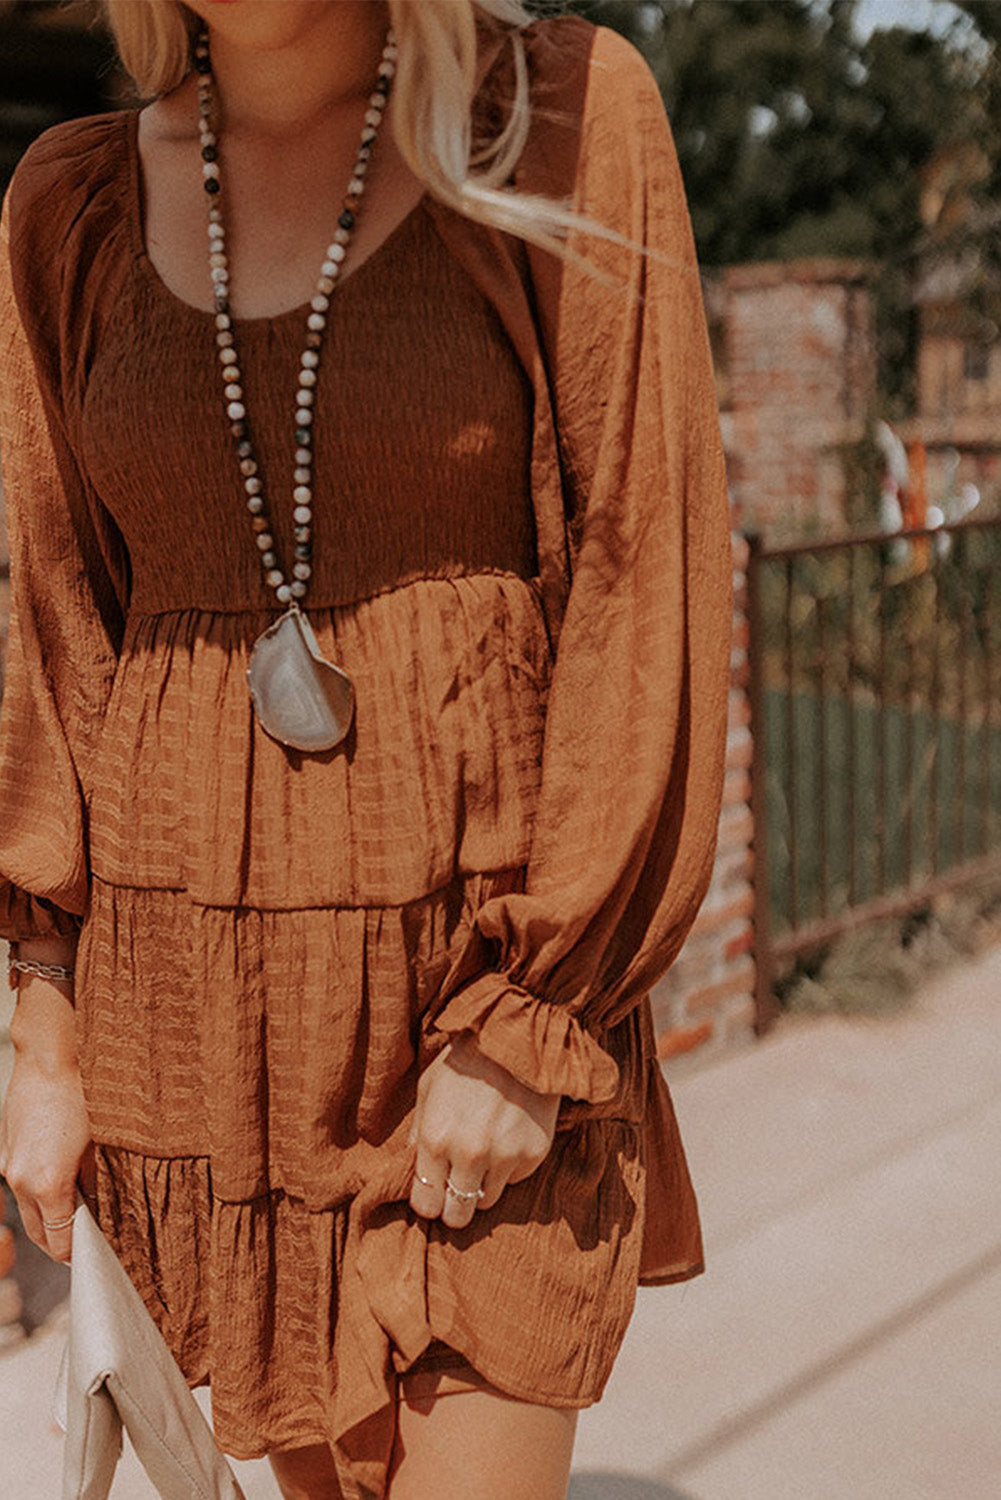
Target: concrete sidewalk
[(845, 1338)]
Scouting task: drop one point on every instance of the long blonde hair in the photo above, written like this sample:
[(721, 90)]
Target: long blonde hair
[(434, 89)]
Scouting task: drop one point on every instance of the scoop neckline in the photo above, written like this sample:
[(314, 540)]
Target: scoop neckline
[(208, 315)]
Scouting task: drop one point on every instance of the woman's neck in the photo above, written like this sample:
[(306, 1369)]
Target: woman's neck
[(292, 83)]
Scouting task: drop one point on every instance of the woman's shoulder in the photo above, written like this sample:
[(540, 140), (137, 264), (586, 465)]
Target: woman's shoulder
[(71, 167), (592, 97), (568, 50)]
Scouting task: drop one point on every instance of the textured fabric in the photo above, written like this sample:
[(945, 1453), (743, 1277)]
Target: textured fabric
[(522, 557)]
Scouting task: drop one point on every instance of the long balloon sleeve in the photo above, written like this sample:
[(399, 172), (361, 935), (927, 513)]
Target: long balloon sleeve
[(634, 748), (67, 580)]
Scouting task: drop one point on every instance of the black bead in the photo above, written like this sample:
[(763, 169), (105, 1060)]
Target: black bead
[(245, 449), (210, 153), (381, 85), (303, 552), (301, 533), (211, 184), (239, 429), (303, 437), (203, 65), (346, 219)]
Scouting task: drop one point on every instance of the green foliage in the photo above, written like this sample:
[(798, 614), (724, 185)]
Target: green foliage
[(796, 138)]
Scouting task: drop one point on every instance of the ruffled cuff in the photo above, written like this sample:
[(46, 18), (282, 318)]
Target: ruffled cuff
[(24, 916), (542, 1044)]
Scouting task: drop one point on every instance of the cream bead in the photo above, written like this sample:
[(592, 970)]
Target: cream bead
[(316, 322)]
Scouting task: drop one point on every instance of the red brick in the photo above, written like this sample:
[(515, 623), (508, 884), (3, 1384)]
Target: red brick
[(740, 754), (685, 1039), (711, 918), (740, 945), (736, 789), (6, 1251)]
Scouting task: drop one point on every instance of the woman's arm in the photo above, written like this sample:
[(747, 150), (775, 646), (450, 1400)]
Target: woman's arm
[(67, 610), (634, 749)]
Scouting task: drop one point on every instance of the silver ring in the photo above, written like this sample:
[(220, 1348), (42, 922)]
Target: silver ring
[(58, 1223), (426, 1180), (465, 1197)]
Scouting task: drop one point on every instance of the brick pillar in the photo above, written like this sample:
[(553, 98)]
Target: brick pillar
[(706, 999)]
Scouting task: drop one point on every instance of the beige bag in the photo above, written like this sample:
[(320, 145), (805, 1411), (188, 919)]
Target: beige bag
[(117, 1372)]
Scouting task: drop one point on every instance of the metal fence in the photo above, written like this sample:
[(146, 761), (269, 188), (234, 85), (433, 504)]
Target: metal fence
[(875, 683)]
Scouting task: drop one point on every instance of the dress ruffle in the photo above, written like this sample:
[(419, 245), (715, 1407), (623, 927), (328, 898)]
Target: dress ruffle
[(543, 1045), (269, 1301), (254, 1170)]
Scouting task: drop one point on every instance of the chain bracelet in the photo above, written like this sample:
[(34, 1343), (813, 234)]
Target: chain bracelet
[(17, 966)]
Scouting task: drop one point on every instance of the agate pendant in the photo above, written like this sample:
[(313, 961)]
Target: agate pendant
[(300, 698)]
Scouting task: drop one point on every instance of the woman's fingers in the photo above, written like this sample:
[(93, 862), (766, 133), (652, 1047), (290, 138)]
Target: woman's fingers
[(59, 1241), (86, 1176), (449, 1190), (48, 1224), (461, 1195), (427, 1195)]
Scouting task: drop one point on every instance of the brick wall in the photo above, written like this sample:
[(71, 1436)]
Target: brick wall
[(793, 345), (706, 1000)]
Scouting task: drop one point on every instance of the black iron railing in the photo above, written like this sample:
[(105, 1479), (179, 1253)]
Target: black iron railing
[(875, 681)]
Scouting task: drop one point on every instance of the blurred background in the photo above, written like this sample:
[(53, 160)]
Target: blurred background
[(831, 1029)]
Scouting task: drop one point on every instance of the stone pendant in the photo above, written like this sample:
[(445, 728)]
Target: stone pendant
[(300, 698)]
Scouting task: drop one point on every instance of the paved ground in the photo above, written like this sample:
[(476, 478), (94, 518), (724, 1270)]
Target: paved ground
[(845, 1339)]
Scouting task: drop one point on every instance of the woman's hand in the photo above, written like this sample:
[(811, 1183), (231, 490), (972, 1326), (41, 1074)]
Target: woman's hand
[(477, 1126), (45, 1141)]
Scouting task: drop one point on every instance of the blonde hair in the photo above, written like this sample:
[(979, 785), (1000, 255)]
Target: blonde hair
[(434, 88)]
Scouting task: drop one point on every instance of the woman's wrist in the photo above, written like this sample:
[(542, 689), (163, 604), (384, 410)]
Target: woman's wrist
[(43, 1026), (54, 948)]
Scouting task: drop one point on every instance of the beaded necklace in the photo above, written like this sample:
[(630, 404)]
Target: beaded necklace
[(300, 698)]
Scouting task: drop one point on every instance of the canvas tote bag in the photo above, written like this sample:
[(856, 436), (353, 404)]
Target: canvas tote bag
[(117, 1372)]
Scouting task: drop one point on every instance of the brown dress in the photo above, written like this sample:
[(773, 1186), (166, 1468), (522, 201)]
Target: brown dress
[(515, 839)]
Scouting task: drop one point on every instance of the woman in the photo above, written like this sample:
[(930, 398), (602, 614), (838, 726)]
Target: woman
[(355, 1058)]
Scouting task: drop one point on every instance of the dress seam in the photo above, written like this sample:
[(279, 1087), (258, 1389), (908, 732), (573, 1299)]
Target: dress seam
[(323, 906), (533, 583)]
